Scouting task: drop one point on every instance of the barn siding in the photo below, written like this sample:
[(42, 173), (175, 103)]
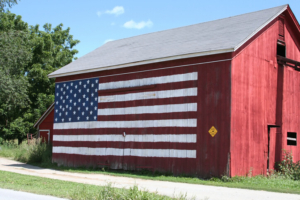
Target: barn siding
[(47, 123), (291, 108), (213, 103), (253, 106)]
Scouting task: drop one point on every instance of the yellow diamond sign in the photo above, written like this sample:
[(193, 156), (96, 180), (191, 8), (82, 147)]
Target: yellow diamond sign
[(212, 131)]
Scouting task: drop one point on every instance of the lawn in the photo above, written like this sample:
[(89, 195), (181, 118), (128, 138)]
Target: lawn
[(71, 190)]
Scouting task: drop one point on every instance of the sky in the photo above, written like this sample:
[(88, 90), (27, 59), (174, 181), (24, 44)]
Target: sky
[(95, 22)]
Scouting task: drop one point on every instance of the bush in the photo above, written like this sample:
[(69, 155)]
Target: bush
[(288, 168)]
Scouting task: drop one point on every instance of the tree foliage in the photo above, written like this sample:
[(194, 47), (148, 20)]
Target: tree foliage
[(27, 56), (7, 3)]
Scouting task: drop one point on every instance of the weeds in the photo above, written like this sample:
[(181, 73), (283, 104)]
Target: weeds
[(33, 152)]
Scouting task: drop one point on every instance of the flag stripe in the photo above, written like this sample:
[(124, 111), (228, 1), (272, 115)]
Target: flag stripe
[(127, 124), (169, 108), (149, 95), (149, 81), (128, 131), (169, 101), (131, 145), (187, 138), (155, 116), (165, 153)]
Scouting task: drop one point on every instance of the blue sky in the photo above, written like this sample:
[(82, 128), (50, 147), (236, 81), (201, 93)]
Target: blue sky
[(94, 22)]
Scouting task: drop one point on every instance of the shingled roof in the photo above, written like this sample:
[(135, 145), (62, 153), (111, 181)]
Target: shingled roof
[(219, 36)]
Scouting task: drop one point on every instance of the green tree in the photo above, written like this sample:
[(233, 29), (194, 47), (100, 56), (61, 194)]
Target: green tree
[(15, 54), (27, 56), (7, 3)]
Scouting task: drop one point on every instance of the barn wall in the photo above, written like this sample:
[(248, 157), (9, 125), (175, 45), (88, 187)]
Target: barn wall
[(213, 109), (47, 123), (254, 100), (291, 108)]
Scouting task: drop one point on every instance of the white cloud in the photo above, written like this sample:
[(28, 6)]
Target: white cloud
[(108, 40), (138, 25), (117, 10)]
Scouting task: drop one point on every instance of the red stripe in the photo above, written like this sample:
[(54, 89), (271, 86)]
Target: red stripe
[(130, 145), (105, 131), (156, 116), (148, 102), (158, 87), (174, 165)]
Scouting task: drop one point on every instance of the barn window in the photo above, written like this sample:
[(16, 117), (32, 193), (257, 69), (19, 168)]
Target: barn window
[(280, 49), (292, 138)]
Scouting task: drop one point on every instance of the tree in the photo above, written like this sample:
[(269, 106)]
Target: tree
[(27, 56), (7, 3), (15, 54)]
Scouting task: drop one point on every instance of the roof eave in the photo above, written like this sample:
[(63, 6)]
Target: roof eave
[(206, 53), (44, 115), (260, 28)]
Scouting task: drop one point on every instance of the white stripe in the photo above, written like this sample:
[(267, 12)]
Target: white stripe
[(149, 81), (127, 124), (149, 95), (163, 153), (181, 138), (168, 108)]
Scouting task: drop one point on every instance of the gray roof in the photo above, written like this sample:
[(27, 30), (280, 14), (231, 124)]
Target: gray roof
[(223, 35)]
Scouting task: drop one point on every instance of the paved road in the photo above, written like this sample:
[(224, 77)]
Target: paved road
[(162, 187), (17, 195)]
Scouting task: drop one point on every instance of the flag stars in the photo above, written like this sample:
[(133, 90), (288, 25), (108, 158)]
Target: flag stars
[(95, 117), (84, 86), (87, 118), (79, 90), (87, 108), (87, 99), (71, 91), (64, 85), (56, 110), (84, 96), (88, 81), (74, 112), (96, 81), (79, 100), (74, 103), (56, 119), (92, 85), (69, 119), (56, 94), (80, 83), (82, 113), (57, 86), (83, 104), (71, 84), (61, 89), (92, 103), (95, 107), (88, 90), (57, 103), (59, 114), (75, 86), (92, 94)]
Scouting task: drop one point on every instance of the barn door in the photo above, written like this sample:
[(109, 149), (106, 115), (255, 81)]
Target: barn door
[(271, 147)]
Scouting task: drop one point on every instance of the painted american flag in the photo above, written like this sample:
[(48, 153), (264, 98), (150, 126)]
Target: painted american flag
[(159, 122)]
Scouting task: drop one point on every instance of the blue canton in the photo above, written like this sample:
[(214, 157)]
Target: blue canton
[(76, 101)]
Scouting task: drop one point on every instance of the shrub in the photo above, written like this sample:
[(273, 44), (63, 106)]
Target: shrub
[(288, 168)]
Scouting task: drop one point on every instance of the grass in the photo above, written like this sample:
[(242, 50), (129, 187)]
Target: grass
[(40, 155), (76, 191)]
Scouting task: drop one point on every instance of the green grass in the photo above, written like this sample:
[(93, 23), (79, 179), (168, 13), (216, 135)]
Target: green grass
[(41, 156), (73, 190)]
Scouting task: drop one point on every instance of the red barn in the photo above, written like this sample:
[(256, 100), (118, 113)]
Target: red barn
[(213, 98), (44, 125)]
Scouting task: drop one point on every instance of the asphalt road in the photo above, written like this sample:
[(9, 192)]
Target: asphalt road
[(17, 195), (162, 187)]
